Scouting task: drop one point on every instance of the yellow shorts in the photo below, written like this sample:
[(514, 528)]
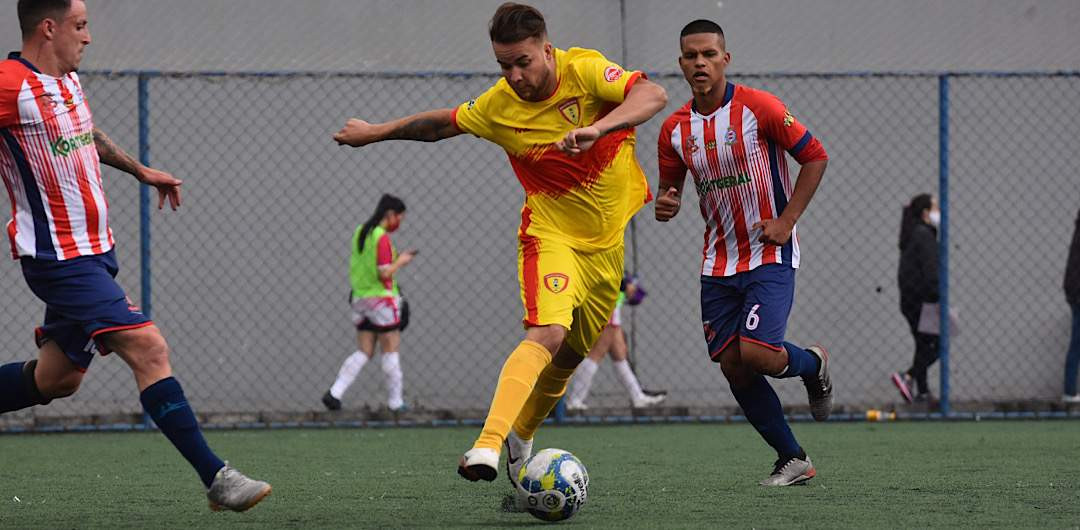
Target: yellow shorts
[(574, 289)]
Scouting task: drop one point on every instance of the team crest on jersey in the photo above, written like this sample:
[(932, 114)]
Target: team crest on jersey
[(472, 103), (571, 110), (729, 136), (612, 73), (691, 144), (556, 282), (788, 119)]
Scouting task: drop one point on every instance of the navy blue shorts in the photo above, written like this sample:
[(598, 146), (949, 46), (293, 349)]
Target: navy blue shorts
[(82, 301), (752, 305)]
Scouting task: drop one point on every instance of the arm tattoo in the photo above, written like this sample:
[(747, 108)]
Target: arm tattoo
[(422, 129), (112, 155), (619, 127)]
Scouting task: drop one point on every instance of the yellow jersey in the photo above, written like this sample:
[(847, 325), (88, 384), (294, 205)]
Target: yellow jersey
[(584, 201)]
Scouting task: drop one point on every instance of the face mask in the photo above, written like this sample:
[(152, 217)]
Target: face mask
[(392, 226), (935, 218)]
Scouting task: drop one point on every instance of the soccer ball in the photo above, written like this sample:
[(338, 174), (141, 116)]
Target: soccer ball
[(552, 485)]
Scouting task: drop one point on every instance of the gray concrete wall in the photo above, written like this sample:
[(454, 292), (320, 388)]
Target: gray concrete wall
[(445, 35)]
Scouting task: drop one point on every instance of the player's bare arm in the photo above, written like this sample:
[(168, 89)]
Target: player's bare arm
[(778, 231), (643, 101), (669, 199), (429, 126), (112, 155)]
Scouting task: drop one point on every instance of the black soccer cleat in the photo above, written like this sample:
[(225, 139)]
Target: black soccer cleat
[(331, 402)]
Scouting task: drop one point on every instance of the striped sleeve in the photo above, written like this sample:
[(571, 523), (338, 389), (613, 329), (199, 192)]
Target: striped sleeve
[(781, 126), (672, 168), (9, 96)]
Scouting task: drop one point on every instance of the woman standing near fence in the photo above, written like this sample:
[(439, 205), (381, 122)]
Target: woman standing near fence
[(1072, 295), (376, 302), (918, 280)]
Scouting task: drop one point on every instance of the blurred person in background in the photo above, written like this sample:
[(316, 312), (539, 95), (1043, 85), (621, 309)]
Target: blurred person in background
[(917, 277), (376, 302), (613, 341), (1072, 295)]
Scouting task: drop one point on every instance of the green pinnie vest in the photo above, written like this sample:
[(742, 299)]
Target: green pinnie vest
[(363, 271)]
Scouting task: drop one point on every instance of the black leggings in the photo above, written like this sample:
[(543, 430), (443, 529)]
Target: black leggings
[(926, 348)]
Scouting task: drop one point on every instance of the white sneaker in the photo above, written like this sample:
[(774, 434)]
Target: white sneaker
[(479, 463), (517, 452), (648, 401), (1075, 398), (234, 491), (790, 472), (576, 405)]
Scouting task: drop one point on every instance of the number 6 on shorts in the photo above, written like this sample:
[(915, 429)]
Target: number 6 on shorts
[(752, 318)]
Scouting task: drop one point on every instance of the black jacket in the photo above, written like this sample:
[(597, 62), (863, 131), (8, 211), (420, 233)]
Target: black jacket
[(918, 272), (1072, 267)]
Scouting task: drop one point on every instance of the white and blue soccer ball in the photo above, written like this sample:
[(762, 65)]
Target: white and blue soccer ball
[(552, 485)]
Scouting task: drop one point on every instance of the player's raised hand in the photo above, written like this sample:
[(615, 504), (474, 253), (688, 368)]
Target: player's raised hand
[(667, 205), (167, 186), (356, 133), (774, 231), (578, 141)]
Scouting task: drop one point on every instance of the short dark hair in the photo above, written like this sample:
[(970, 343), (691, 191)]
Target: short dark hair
[(515, 23), (701, 26), (32, 12)]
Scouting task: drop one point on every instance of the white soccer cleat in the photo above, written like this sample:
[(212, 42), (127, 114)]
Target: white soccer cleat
[(1070, 399), (646, 401), (790, 472), (233, 491), (479, 463), (517, 452)]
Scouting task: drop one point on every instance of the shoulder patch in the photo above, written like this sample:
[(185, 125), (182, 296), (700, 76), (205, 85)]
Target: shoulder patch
[(612, 73)]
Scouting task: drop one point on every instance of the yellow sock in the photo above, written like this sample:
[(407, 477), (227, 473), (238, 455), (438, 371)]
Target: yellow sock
[(550, 386), (516, 381)]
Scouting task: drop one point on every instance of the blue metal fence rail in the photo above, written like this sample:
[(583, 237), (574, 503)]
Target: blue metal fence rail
[(943, 241)]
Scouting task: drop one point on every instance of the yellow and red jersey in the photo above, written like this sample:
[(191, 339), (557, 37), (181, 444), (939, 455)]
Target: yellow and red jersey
[(584, 201)]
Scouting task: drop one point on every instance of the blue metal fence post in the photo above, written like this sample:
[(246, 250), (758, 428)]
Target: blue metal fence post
[(943, 244), (144, 206)]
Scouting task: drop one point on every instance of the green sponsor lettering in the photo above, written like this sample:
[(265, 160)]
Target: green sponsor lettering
[(64, 146), (730, 181)]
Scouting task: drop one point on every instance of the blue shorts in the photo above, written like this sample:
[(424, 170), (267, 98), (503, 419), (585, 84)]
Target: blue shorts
[(752, 305), (82, 301)]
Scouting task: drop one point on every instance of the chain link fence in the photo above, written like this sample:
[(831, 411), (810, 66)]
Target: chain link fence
[(250, 277)]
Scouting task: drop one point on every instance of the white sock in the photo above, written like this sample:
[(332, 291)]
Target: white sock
[(348, 372), (583, 377), (629, 380), (391, 367)]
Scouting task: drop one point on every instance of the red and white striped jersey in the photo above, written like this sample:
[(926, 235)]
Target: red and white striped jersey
[(50, 165), (740, 174)]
